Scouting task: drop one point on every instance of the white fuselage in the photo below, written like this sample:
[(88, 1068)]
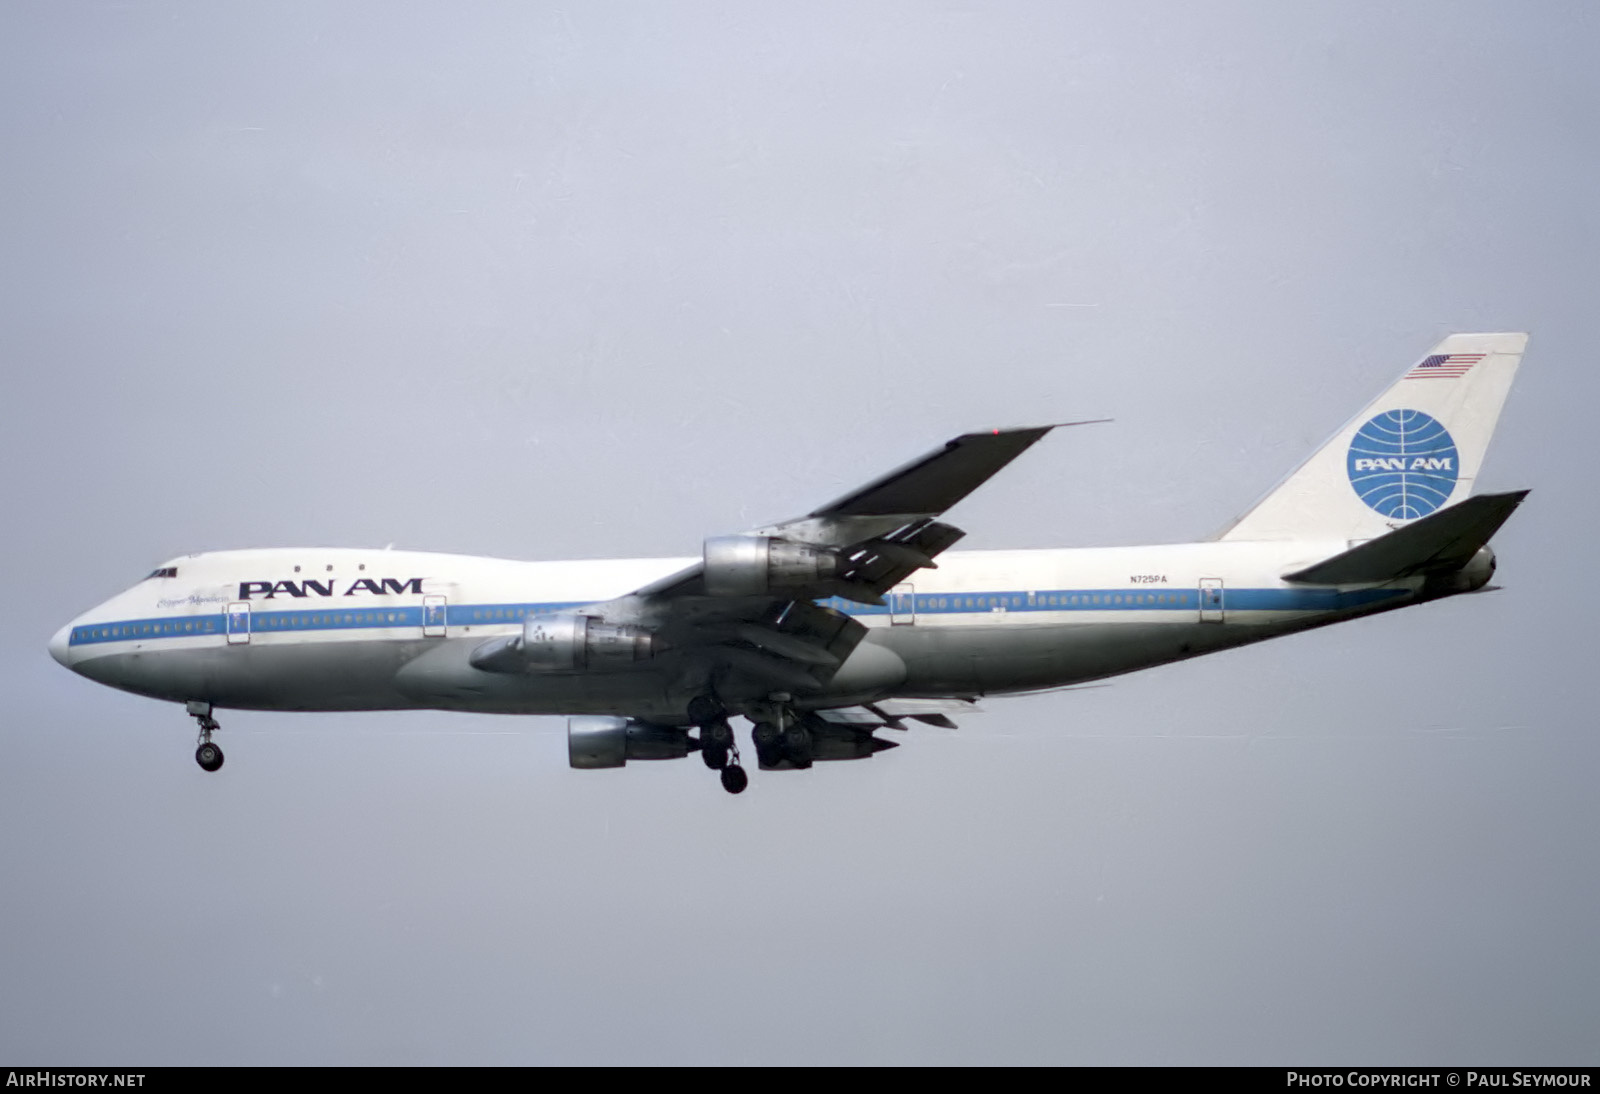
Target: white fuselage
[(341, 629)]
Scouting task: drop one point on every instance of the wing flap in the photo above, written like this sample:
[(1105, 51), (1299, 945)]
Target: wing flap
[(786, 645), (892, 713), (874, 566)]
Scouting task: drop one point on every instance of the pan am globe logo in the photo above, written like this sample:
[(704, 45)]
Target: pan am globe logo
[(1403, 463)]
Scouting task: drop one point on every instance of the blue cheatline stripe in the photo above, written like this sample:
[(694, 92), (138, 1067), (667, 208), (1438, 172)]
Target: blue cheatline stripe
[(924, 604), (277, 622), (1112, 600)]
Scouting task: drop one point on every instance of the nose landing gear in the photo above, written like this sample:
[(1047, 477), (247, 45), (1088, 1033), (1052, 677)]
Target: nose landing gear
[(208, 755)]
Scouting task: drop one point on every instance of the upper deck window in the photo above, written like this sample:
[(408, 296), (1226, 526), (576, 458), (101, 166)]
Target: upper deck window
[(165, 571)]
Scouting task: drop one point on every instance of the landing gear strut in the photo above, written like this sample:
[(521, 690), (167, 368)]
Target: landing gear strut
[(734, 779), (208, 755), (716, 743)]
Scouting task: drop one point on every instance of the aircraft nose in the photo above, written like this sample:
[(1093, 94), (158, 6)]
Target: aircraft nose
[(59, 645)]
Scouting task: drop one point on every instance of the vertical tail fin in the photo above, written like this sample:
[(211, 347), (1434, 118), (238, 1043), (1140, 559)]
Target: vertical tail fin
[(1413, 450)]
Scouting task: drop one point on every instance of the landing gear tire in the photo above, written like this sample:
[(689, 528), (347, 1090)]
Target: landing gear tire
[(769, 744), (797, 746), (208, 756), (734, 779), (704, 709), (716, 742)]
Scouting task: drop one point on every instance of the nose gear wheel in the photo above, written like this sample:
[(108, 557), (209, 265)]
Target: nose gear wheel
[(207, 755)]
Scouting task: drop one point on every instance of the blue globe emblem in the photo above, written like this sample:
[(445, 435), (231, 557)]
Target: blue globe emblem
[(1403, 463)]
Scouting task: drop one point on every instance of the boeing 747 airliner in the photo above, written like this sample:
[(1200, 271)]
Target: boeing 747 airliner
[(828, 628)]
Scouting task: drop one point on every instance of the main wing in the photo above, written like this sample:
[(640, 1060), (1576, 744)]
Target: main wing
[(879, 533), (750, 605)]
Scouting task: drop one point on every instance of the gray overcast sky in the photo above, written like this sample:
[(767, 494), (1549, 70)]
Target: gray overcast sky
[(602, 279)]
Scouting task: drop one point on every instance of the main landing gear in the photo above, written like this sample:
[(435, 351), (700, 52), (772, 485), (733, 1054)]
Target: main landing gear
[(208, 755), (780, 736), (718, 748), (734, 779)]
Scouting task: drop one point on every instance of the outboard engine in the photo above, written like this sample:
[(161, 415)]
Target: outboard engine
[(598, 741), (760, 565)]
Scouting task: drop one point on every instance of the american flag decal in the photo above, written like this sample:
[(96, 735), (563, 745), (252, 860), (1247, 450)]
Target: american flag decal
[(1446, 366)]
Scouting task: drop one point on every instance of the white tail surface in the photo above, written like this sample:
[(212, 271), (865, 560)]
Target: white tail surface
[(1415, 449)]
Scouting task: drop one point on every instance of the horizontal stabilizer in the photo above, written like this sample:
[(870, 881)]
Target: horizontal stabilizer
[(1443, 541)]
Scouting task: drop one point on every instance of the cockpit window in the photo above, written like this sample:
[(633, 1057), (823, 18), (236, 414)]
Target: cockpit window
[(165, 571)]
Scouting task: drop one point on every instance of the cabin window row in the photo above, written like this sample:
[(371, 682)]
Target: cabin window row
[(1046, 600), (488, 615), (324, 619), (135, 630)]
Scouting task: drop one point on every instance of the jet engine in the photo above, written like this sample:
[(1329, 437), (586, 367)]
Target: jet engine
[(598, 741), (566, 642), (759, 565), (570, 642)]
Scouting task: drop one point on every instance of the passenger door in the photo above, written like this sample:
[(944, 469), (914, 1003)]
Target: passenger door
[(239, 623), (902, 605), (434, 609)]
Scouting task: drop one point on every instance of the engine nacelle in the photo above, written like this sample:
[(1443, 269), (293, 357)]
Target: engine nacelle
[(599, 741), (759, 565), (570, 642)]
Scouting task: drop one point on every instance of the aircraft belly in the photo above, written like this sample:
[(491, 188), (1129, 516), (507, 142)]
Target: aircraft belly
[(262, 676), (377, 675), (1025, 657)]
